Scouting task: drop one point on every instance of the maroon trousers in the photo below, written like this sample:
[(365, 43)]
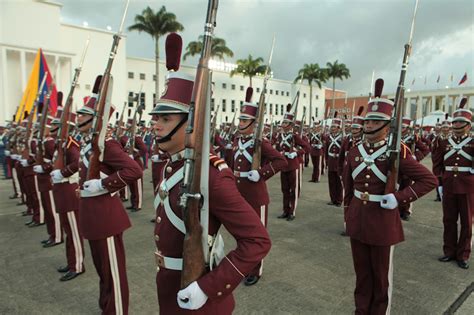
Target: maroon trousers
[(51, 217), (335, 187), (457, 206), (288, 188), (317, 161), (109, 261), (405, 209), (32, 198), (262, 213), (136, 193), (74, 241), (306, 159), (373, 266)]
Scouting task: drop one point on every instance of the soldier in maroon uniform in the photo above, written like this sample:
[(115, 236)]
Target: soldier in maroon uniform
[(286, 143), (212, 293), (102, 218), (454, 161), (251, 183), (136, 188), (373, 222), (45, 186), (316, 142), (352, 140), (65, 184), (332, 149), (444, 134)]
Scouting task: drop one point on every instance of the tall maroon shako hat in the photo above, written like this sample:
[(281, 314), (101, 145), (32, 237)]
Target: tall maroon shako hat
[(379, 108), (90, 102), (335, 121), (358, 120), (462, 114), (289, 116), (406, 122), (446, 122), (176, 97), (71, 120), (248, 110)]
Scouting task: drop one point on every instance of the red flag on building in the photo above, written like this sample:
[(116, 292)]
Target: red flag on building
[(413, 82), (463, 79), (439, 77)]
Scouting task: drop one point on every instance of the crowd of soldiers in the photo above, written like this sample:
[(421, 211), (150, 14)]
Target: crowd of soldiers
[(352, 152)]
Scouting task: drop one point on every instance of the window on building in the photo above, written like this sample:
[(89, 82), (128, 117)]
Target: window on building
[(304, 95), (241, 87), (258, 90), (233, 87), (232, 106), (271, 108), (287, 93), (131, 75), (212, 104), (131, 99), (241, 103), (143, 99), (154, 97), (276, 92), (88, 87), (276, 109), (271, 91), (317, 96), (154, 77), (316, 112), (282, 93), (223, 106), (282, 109), (224, 85)]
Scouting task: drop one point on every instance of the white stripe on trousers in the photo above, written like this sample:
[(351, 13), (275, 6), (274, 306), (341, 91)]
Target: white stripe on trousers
[(76, 240), (17, 182), (126, 192), (262, 218), (295, 202), (390, 281), (57, 223), (115, 275), (320, 170), (140, 192), (41, 210)]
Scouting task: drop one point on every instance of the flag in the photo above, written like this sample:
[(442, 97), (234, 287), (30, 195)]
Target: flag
[(425, 79), (463, 79), (451, 78), (413, 82), (439, 77), (40, 67)]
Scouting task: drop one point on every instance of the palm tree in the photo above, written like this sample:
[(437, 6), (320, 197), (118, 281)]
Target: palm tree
[(156, 25), (336, 71), (313, 74), (218, 48), (249, 67)]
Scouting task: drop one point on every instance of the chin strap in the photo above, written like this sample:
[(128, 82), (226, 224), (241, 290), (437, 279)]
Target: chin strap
[(85, 122), (251, 123), (376, 130), (464, 126), (172, 132)]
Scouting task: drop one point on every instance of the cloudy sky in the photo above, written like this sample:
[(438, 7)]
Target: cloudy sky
[(366, 35)]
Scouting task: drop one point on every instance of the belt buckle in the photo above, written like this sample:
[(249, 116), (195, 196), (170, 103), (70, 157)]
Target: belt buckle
[(237, 174), (159, 259), (455, 168), (163, 192), (365, 196)]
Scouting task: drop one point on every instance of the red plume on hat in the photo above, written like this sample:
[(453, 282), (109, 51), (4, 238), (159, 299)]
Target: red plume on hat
[(335, 114), (173, 48), (361, 109), (378, 87), (358, 121), (249, 94), (89, 102), (463, 102), (60, 98)]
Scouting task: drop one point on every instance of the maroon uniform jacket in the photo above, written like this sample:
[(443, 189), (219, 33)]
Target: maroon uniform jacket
[(332, 149), (139, 150), (44, 180), (228, 208), (366, 221), (453, 161), (347, 144), (28, 170), (103, 215), (316, 142), (65, 195), (286, 143), (421, 149), (272, 162)]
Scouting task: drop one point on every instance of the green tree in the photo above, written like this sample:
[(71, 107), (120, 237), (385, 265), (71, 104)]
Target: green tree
[(156, 24), (219, 48), (336, 71), (249, 67), (314, 75)]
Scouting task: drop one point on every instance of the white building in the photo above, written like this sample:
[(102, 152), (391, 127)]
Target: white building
[(40, 26)]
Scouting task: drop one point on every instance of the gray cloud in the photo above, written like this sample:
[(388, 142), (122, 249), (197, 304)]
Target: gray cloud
[(366, 35)]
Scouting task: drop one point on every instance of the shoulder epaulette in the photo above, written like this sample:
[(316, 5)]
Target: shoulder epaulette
[(217, 162), (72, 141)]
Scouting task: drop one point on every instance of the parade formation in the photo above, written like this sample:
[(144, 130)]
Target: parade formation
[(77, 173)]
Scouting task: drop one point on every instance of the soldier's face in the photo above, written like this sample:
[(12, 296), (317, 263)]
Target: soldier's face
[(285, 125), (371, 125), (164, 124), (461, 127), (334, 129), (246, 126), (81, 119), (404, 130), (356, 131)]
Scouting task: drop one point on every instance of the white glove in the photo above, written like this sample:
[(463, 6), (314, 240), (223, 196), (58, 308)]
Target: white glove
[(228, 146), (195, 297), (440, 190), (389, 202), (93, 185), (471, 170), (24, 162), (155, 158), (414, 157), (131, 156), (253, 176), (38, 169), (291, 155), (56, 175), (15, 157), (7, 153)]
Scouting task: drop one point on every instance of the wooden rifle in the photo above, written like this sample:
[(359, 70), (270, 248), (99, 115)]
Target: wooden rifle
[(394, 140), (133, 129), (63, 130), (213, 125), (258, 134), (300, 131), (26, 151), (102, 108), (42, 124), (192, 198)]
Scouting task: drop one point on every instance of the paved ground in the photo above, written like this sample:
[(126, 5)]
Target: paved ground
[(308, 271)]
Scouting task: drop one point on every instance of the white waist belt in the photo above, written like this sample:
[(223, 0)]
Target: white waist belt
[(333, 154), (367, 197), (168, 262), (87, 194), (458, 168), (241, 174)]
